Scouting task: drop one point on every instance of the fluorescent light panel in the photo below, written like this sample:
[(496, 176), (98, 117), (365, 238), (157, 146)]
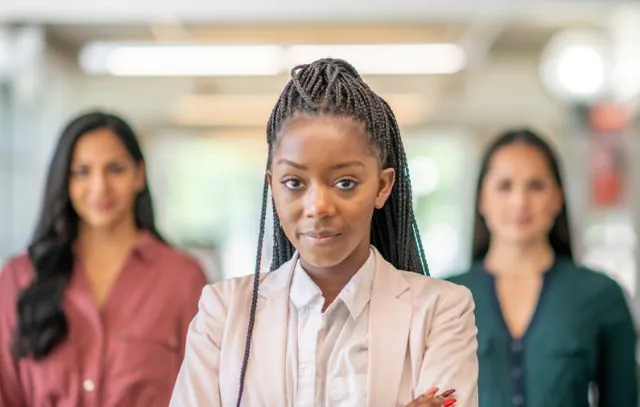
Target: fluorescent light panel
[(182, 60), (266, 60), (387, 59)]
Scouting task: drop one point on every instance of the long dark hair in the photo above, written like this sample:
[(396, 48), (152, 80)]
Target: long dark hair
[(559, 235), (42, 323), (334, 87)]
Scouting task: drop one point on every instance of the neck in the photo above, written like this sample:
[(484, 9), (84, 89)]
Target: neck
[(519, 259), (331, 280), (107, 240)]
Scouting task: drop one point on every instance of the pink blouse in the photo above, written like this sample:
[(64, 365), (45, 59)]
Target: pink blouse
[(125, 355)]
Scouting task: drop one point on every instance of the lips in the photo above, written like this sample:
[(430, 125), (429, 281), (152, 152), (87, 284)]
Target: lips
[(522, 221), (321, 234), (102, 206), (320, 238)]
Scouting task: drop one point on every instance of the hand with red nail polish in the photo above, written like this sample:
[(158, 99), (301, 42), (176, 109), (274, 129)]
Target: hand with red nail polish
[(431, 398)]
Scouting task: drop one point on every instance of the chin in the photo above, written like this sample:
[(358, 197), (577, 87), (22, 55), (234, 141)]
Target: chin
[(106, 221), (524, 239), (323, 258)]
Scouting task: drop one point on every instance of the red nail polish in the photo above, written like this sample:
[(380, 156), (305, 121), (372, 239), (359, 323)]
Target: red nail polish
[(448, 393), (449, 403)]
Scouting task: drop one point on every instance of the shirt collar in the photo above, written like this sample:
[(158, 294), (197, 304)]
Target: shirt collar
[(355, 295), (145, 247)]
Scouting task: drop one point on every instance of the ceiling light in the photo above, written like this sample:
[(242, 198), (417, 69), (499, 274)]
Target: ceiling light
[(387, 59), (266, 60), (182, 60)]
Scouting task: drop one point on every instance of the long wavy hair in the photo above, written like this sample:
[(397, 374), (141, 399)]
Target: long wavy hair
[(42, 323)]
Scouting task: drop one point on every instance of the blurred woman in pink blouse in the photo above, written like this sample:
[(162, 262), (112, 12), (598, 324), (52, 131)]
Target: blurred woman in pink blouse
[(95, 314)]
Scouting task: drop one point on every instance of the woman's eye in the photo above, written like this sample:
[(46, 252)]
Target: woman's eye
[(504, 186), (292, 183), (115, 168), (346, 184), (80, 172)]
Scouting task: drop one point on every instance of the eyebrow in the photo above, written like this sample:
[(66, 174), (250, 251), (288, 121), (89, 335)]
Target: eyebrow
[(76, 163), (338, 166)]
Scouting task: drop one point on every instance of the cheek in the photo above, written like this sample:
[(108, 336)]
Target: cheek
[(124, 189), (358, 210), (492, 206), (76, 189), (358, 216), (548, 207), (288, 207), (494, 218)]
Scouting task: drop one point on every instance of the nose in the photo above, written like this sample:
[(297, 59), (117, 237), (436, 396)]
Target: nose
[(520, 197), (99, 182), (318, 202)]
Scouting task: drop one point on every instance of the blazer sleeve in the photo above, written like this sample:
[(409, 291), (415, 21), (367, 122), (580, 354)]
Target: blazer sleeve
[(617, 377), (11, 390), (450, 359), (197, 384)]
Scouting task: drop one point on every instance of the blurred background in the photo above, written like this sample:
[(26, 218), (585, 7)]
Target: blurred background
[(198, 78)]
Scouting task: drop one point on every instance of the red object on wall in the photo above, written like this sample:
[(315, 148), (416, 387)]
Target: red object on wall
[(608, 123), (607, 189), (607, 118)]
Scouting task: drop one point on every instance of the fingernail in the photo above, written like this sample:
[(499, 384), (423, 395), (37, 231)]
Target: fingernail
[(432, 391), (448, 393), (449, 403)]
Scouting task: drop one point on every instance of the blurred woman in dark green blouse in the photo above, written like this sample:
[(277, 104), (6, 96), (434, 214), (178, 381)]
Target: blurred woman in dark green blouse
[(549, 330)]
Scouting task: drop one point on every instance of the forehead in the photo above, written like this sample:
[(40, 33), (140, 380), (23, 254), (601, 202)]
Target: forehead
[(519, 160), (324, 139), (97, 144)]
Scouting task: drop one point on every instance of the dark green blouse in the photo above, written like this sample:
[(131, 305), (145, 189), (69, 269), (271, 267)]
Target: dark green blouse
[(581, 334)]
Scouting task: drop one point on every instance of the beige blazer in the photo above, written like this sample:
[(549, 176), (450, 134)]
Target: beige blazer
[(422, 333)]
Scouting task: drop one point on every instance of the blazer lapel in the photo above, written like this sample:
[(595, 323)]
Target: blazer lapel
[(389, 325), (268, 353)]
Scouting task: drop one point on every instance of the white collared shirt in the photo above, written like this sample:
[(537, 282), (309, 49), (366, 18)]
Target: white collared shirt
[(327, 353)]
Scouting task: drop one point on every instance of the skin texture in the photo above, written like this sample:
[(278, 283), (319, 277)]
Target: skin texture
[(520, 198), (326, 182), (104, 181)]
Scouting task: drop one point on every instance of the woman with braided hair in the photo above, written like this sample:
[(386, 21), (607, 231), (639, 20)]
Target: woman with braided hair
[(348, 315)]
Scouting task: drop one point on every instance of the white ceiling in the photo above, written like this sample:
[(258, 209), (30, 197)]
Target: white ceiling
[(224, 11), (507, 34)]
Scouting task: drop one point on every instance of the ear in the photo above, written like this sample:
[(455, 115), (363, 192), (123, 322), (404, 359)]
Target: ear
[(385, 186), (269, 178)]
